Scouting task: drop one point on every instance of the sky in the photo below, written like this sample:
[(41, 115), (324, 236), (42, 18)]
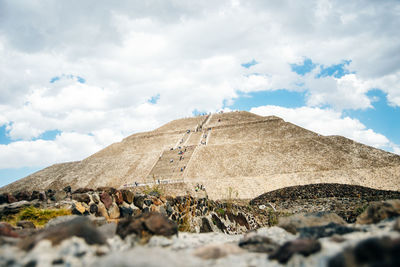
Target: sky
[(76, 76)]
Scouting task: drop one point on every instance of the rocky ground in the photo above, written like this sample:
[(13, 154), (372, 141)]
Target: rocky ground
[(224, 235)]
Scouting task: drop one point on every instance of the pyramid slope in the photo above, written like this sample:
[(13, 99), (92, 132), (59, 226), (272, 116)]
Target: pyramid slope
[(247, 153)]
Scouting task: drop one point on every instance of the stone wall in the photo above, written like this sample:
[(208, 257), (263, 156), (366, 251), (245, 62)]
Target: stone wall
[(191, 214)]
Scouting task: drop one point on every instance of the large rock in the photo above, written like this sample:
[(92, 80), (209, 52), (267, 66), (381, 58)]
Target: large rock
[(81, 197), (302, 220), (138, 200), (113, 211), (371, 252), (304, 247), (60, 195), (151, 223), (80, 227), (378, 211), (127, 195), (325, 230), (118, 197), (258, 243), (106, 199)]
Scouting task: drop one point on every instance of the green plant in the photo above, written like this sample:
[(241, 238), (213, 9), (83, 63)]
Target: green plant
[(38, 216), (221, 212)]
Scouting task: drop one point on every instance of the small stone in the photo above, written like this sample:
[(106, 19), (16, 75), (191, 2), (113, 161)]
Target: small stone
[(35, 195), (127, 195), (216, 251), (106, 199), (81, 197), (148, 202), (151, 223), (78, 208), (60, 195), (126, 212), (154, 194), (157, 202), (138, 200), (93, 209), (7, 230), (80, 227), (26, 224), (96, 198), (304, 247), (258, 243), (11, 199), (205, 226), (113, 211), (378, 211), (67, 189), (42, 196)]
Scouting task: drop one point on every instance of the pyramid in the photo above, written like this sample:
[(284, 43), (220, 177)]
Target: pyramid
[(236, 154)]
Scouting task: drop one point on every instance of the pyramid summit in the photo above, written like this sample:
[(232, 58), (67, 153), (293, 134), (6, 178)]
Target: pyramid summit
[(238, 152)]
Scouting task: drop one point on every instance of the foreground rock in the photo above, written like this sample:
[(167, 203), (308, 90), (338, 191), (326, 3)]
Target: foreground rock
[(76, 241), (378, 211), (79, 227), (147, 224)]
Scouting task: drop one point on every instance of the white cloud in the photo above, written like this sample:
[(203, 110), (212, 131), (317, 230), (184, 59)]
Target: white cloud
[(328, 122), (187, 52), (66, 147)]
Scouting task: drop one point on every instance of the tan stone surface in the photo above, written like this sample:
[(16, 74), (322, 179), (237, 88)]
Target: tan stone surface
[(248, 153)]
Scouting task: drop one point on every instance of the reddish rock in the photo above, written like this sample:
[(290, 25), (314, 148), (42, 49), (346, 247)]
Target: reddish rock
[(11, 198), (106, 199), (7, 230)]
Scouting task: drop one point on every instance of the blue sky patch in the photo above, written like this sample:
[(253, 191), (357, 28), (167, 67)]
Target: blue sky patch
[(154, 99), (282, 97), (4, 139), (11, 175), (48, 135), (69, 76), (383, 118), (249, 64), (337, 71), (304, 68)]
